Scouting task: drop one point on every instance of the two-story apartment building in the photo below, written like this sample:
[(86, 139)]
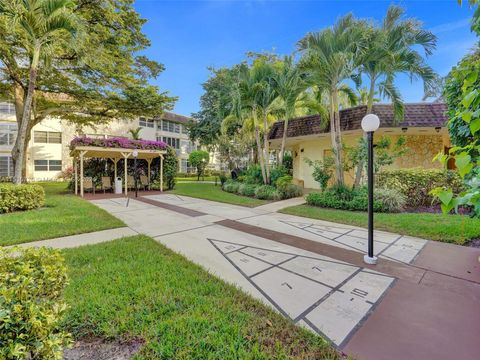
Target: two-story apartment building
[(48, 150)]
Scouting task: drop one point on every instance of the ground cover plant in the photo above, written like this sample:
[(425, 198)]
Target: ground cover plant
[(64, 214), (20, 197), (134, 288), (209, 191), (458, 229)]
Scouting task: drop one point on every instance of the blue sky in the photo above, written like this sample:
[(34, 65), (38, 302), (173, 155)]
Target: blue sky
[(189, 36)]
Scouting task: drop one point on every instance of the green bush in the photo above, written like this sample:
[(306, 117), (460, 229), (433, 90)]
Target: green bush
[(277, 172), (289, 191), (253, 175), (247, 189), (231, 186), (283, 181), (223, 178), (416, 184), (267, 192), (342, 198), (20, 197), (170, 168), (392, 200), (32, 282)]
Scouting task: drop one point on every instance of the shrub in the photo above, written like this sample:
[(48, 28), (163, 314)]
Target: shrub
[(277, 172), (170, 168), (253, 175), (342, 198), (31, 304), (223, 178), (283, 181), (392, 200), (20, 197), (247, 189), (416, 184), (267, 192), (289, 191), (231, 186), (288, 162)]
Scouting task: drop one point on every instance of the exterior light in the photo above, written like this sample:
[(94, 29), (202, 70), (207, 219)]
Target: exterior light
[(404, 129), (370, 123), (437, 129), (135, 153)]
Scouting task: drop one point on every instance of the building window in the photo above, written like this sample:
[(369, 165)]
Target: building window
[(48, 165), (170, 126), (173, 142), (8, 134), (146, 122), (47, 137), (6, 166)]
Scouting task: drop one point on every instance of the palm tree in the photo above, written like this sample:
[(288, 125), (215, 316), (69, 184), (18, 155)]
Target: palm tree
[(135, 133), (393, 49), (40, 26), (289, 82), (330, 56)]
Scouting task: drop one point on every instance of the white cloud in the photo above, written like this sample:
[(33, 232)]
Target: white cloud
[(447, 27)]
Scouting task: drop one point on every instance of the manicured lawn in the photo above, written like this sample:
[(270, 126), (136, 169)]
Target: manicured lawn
[(207, 178), (447, 228), (62, 215), (136, 288), (215, 193)]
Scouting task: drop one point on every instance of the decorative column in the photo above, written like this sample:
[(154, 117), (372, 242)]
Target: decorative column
[(161, 173)]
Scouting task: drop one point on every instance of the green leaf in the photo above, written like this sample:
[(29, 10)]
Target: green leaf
[(463, 163), (475, 126), (468, 99), (445, 196), (471, 78), (466, 116)]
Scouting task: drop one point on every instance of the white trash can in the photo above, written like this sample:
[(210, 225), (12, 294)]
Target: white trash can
[(118, 185)]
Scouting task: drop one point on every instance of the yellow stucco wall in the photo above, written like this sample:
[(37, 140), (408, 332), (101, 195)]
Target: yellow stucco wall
[(422, 148)]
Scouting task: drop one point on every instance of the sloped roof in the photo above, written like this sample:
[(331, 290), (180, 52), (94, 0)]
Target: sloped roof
[(167, 115), (416, 115)]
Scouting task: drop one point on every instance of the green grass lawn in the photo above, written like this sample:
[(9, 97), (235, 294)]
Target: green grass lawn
[(63, 214), (215, 193), (135, 288), (456, 229), (194, 178)]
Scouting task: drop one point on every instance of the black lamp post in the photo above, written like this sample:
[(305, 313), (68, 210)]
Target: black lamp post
[(135, 155), (370, 123)]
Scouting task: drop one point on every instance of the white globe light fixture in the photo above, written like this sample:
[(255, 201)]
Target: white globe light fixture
[(135, 153), (370, 123)]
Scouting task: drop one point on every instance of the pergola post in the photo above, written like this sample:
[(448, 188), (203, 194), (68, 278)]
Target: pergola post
[(149, 162), (82, 153), (75, 175), (161, 173), (125, 175)]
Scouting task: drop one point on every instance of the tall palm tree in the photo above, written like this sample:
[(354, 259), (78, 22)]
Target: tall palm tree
[(135, 133), (392, 50), (330, 56), (40, 26), (289, 81)]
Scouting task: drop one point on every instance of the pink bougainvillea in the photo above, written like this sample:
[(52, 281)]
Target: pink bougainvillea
[(115, 142)]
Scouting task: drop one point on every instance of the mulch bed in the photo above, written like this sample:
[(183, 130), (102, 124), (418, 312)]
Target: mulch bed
[(98, 349)]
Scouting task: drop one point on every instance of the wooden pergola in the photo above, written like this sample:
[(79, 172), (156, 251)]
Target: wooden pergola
[(79, 153)]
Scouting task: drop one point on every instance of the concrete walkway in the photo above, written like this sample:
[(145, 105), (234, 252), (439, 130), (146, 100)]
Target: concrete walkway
[(82, 239), (282, 204), (419, 302)]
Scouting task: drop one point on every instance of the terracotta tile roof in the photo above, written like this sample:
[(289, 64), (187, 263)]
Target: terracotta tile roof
[(416, 115)]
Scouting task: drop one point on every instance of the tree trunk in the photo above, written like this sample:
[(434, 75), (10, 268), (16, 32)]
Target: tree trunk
[(361, 163), (18, 152), (335, 136), (260, 156), (266, 150), (284, 140)]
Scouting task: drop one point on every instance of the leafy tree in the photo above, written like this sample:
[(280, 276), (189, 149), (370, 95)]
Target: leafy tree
[(75, 59), (462, 95), (289, 83), (331, 57), (199, 159), (393, 49), (322, 171)]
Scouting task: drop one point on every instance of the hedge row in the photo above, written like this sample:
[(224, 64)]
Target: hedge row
[(20, 197), (265, 192), (416, 184)]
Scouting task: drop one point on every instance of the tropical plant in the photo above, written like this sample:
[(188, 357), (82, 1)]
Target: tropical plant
[(289, 82), (50, 65), (322, 171), (39, 27), (170, 168), (330, 56), (462, 95), (393, 49), (135, 133), (199, 159)]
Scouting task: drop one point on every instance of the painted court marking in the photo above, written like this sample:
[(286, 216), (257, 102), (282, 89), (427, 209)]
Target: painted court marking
[(330, 297)]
